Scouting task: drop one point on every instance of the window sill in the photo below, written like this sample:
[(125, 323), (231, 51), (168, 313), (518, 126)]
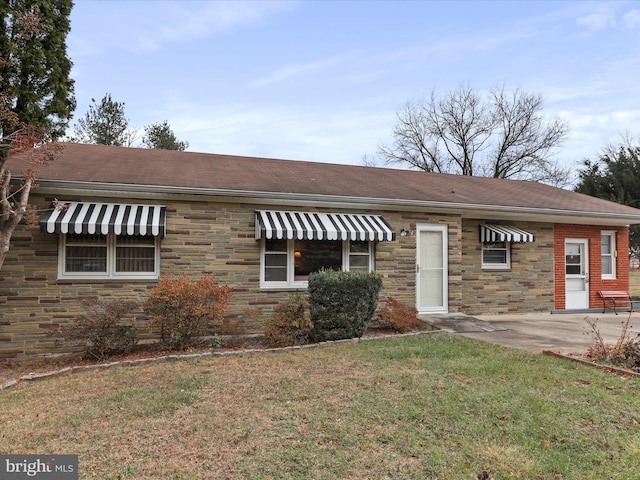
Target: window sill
[(106, 279), (283, 288)]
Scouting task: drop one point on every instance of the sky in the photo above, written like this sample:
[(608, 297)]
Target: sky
[(323, 80)]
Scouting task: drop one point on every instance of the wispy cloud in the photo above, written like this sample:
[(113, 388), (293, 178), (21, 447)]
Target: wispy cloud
[(292, 71), (631, 19), (598, 21), (610, 15), (134, 26), (182, 23)]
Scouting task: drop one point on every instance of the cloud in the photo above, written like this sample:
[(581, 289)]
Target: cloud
[(291, 71), (181, 23), (148, 26), (631, 19), (336, 136), (598, 21)]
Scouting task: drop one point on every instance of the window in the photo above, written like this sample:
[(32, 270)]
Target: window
[(608, 254), (87, 256), (288, 263), (496, 255)]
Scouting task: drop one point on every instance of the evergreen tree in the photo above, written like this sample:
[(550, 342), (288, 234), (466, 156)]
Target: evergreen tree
[(35, 68), (36, 98), (103, 124), (160, 136), (615, 176)]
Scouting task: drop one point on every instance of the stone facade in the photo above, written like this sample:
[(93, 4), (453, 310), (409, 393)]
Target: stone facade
[(208, 236), (202, 237), (526, 287)]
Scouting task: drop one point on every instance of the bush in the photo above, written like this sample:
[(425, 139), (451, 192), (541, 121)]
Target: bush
[(624, 353), (398, 316), (185, 311), (103, 332), (342, 303), (289, 324)]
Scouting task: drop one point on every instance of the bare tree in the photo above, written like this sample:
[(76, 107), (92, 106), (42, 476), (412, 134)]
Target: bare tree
[(30, 141), (504, 136)]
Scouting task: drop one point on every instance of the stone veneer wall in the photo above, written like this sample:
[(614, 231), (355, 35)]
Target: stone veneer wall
[(202, 238), (527, 286)]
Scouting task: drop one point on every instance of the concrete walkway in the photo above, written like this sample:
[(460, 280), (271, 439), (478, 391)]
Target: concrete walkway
[(563, 332)]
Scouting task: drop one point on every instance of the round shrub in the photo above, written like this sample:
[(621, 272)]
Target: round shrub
[(289, 324), (341, 304), (184, 310)]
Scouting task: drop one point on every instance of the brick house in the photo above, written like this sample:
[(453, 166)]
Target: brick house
[(444, 243)]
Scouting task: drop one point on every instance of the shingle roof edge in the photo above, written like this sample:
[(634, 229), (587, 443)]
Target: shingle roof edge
[(97, 188)]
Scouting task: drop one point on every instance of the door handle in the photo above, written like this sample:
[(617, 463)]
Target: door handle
[(417, 268)]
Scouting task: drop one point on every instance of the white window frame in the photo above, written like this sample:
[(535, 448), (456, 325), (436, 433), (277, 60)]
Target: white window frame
[(110, 273), (497, 266), (301, 284), (612, 255)]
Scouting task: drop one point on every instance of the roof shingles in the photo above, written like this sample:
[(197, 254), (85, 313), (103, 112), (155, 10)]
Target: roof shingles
[(167, 168)]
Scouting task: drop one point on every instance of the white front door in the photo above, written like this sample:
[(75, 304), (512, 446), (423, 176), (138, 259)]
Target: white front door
[(431, 269), (576, 266)]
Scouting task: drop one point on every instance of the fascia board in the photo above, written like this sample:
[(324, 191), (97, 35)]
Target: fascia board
[(465, 210)]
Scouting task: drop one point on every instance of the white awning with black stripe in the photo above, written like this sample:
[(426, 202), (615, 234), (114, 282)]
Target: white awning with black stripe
[(106, 218), (276, 224), (504, 233)]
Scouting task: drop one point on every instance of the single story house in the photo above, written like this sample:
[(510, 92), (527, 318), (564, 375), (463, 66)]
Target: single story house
[(444, 243)]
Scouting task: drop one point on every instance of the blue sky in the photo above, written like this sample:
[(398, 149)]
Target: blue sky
[(323, 80)]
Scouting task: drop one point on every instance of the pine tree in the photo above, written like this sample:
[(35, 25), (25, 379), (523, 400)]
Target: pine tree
[(36, 97), (103, 124), (160, 136), (35, 68)]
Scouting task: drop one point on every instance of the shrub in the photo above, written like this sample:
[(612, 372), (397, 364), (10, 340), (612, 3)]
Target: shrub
[(398, 316), (184, 310), (624, 353), (103, 331), (342, 303), (289, 324)]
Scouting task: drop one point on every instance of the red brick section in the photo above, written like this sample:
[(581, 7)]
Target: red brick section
[(596, 282)]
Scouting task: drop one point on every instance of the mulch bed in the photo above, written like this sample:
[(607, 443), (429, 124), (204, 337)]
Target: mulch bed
[(585, 361), (17, 369), (12, 371)]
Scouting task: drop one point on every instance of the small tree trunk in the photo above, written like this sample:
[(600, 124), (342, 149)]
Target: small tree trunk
[(11, 210)]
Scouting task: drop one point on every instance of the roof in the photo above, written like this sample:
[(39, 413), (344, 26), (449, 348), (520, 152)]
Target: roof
[(109, 168)]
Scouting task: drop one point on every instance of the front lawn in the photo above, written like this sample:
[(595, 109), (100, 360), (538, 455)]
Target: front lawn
[(634, 283), (424, 407)]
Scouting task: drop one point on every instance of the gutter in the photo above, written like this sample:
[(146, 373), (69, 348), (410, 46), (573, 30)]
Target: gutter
[(467, 210)]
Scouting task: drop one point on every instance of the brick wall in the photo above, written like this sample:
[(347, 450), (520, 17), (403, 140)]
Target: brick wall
[(593, 234), (526, 287)]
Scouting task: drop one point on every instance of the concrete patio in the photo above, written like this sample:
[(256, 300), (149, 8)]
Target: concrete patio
[(562, 332)]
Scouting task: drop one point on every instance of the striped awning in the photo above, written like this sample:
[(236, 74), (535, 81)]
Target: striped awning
[(504, 233), (104, 218), (276, 224)]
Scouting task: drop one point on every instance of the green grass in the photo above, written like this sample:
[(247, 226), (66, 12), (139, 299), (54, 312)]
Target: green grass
[(634, 283), (426, 407)]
